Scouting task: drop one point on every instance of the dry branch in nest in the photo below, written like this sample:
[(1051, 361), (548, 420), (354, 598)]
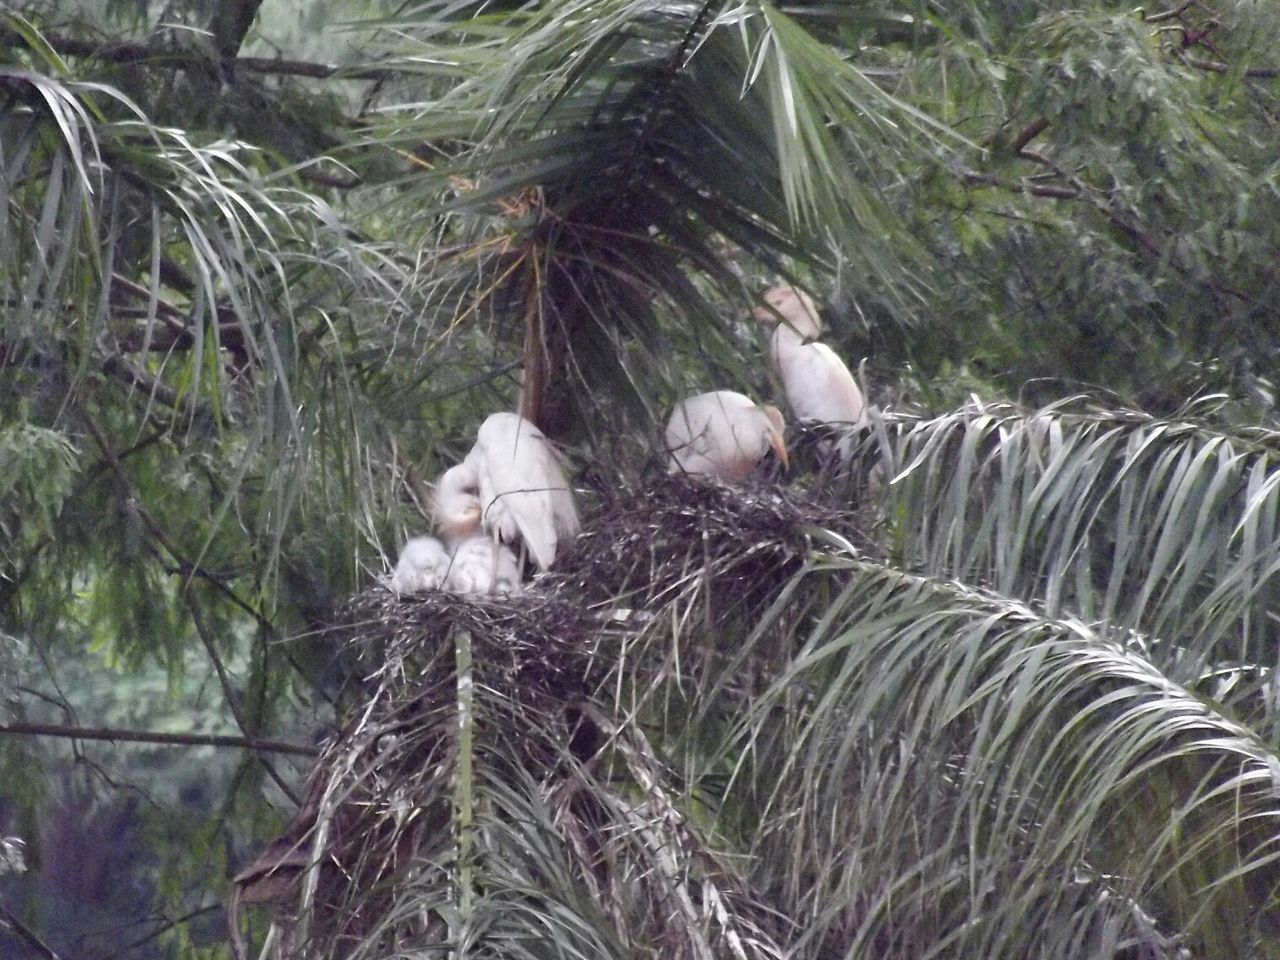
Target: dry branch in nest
[(396, 840)]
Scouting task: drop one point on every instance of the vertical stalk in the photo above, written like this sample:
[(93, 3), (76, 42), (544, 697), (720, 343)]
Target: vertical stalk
[(463, 797)]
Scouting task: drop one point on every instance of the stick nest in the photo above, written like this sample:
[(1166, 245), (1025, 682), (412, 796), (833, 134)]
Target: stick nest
[(380, 813), (681, 531)]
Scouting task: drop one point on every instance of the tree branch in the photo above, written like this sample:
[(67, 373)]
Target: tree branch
[(229, 692), (1254, 73), (974, 178), (117, 735), (185, 566), (122, 369), (1173, 14), (1027, 134), (145, 55), (7, 919), (163, 928)]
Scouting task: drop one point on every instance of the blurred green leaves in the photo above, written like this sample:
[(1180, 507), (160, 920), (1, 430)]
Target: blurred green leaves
[(37, 469)]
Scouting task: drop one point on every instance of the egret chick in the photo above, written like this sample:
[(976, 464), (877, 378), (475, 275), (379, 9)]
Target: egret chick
[(423, 565), (481, 566)]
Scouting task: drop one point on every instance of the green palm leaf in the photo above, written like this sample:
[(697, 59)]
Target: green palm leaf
[(964, 776), (1163, 527)]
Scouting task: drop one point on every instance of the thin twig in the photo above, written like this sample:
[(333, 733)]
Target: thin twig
[(185, 566), (163, 928), (1170, 14), (144, 55), (1253, 73), (229, 692), (974, 178), (115, 734), (26, 933)]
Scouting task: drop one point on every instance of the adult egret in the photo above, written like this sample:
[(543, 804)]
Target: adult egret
[(723, 434), (818, 385), (795, 307), (511, 484), (423, 565)]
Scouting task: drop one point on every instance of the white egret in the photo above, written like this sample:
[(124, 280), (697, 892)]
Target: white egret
[(818, 385), (795, 307), (723, 434), (423, 565), (512, 484), (479, 565), (457, 501)]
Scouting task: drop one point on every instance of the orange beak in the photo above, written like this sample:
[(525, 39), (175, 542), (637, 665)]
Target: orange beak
[(462, 524)]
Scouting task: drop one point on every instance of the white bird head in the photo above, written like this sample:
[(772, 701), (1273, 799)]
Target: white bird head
[(423, 565), (457, 503), (795, 308)]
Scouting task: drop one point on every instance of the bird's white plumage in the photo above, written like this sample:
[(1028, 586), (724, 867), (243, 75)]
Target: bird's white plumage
[(795, 307), (816, 381), (474, 564), (722, 434), (423, 565), (521, 486), (479, 565), (457, 501)]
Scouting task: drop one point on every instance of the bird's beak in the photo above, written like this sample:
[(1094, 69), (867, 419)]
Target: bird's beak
[(462, 524), (780, 448)]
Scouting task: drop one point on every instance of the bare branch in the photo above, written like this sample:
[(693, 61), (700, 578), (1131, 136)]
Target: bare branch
[(229, 692), (1173, 14), (7, 919), (1027, 134), (157, 389), (974, 178), (144, 55), (117, 735), (1254, 73)]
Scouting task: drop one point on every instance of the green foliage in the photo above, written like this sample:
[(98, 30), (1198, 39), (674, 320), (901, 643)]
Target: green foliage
[(37, 468), (249, 309)]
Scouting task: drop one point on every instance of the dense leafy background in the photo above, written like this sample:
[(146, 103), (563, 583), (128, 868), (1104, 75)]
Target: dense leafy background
[(264, 269)]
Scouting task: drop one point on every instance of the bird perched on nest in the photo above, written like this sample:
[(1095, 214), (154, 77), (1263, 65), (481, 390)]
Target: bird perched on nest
[(473, 564), (818, 385), (479, 565), (423, 565), (723, 434), (511, 485)]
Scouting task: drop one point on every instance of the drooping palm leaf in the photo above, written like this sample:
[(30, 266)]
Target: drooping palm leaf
[(941, 771), (1164, 527)]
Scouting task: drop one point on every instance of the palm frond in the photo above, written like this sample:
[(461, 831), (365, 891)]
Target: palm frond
[(583, 151), (185, 283), (944, 771), (1164, 527)]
